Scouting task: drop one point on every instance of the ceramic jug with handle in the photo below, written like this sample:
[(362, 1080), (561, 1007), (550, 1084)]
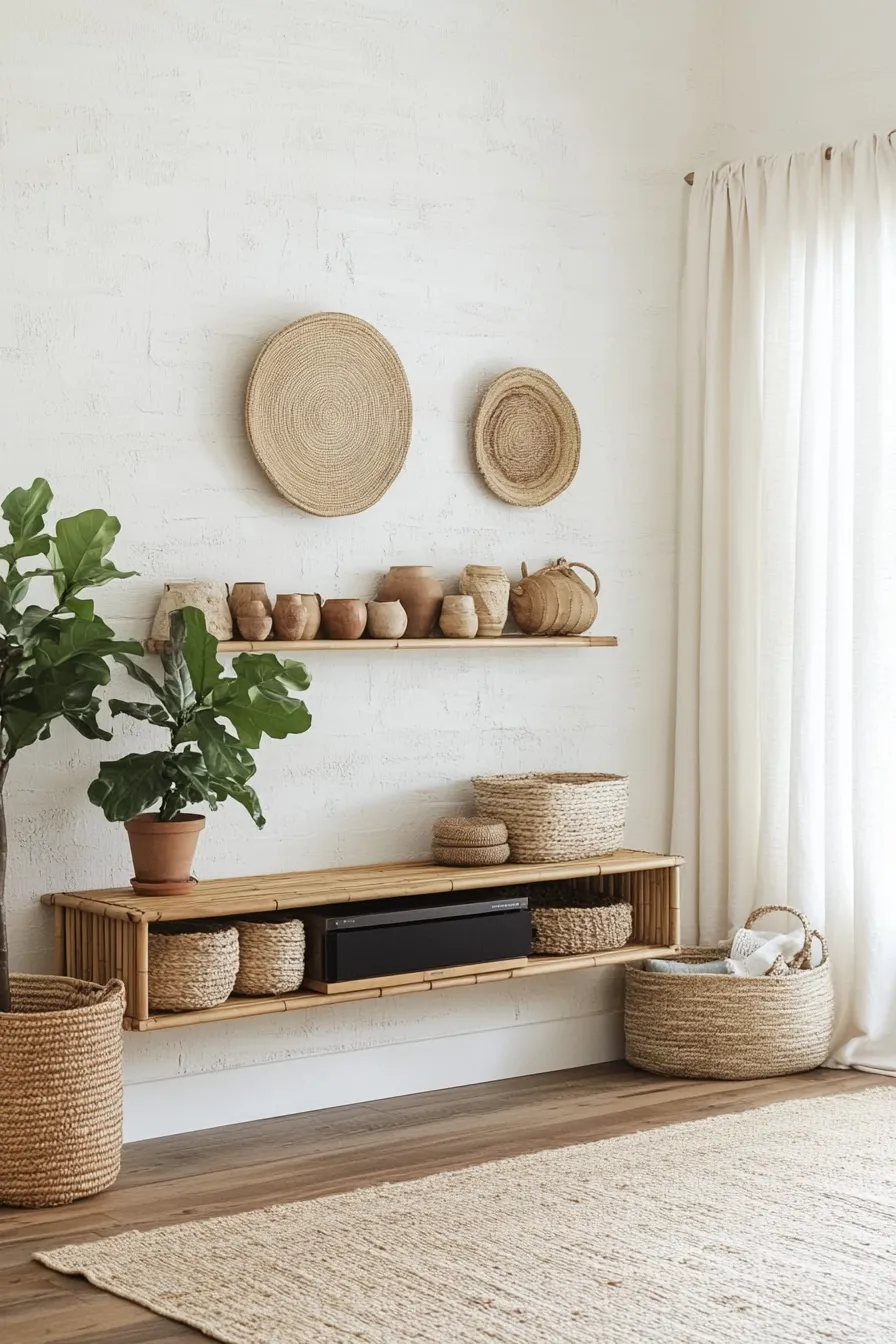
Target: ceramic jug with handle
[(554, 600)]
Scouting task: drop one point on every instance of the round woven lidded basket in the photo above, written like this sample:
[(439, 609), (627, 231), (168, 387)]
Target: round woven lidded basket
[(571, 930), (556, 817), (328, 413), (272, 955), (478, 830), (526, 438), (731, 1027), (192, 965), (60, 1090), (470, 856)]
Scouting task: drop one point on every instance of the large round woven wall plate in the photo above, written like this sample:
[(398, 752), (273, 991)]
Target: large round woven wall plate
[(526, 438), (328, 414)]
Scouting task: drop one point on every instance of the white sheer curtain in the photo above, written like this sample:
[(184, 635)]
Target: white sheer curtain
[(785, 757)]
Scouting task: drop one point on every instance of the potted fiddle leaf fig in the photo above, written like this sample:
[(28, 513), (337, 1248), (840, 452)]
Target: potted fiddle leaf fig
[(60, 1039), (214, 723)]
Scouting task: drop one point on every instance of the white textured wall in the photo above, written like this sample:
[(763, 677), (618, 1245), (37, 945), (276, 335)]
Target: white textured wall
[(490, 183)]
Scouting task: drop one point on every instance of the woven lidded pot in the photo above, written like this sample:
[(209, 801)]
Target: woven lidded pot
[(727, 1026), (571, 930), (192, 965), (552, 818), (272, 955), (479, 830), (60, 1090)]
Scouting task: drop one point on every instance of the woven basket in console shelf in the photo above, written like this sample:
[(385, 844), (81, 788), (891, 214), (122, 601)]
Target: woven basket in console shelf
[(272, 954), (192, 965), (725, 1026), (551, 818)]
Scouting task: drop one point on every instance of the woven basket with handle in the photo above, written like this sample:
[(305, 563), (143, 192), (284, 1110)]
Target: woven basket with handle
[(726, 1026), (60, 1090)]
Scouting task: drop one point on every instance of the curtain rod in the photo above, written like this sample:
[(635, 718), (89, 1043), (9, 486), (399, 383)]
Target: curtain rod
[(689, 177)]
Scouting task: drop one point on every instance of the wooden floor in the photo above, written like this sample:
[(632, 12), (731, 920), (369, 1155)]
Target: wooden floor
[(249, 1166)]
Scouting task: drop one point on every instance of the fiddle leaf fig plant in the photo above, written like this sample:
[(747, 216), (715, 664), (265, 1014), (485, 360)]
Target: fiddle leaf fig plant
[(214, 723), (52, 659)]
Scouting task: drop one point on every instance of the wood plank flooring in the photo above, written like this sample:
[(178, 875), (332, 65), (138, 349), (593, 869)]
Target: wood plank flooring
[(298, 1157)]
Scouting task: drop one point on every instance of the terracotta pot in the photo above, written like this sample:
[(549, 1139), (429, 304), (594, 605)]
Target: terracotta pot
[(418, 591), (386, 620), (290, 616), (458, 619), (253, 622), (489, 588), (343, 617), (209, 598), (554, 600), (162, 851), (241, 594), (312, 604)]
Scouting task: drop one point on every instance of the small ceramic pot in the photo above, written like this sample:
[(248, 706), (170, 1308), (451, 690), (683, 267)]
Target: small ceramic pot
[(290, 616), (418, 591), (253, 621), (241, 594), (312, 604), (343, 617), (386, 620), (209, 598), (458, 619)]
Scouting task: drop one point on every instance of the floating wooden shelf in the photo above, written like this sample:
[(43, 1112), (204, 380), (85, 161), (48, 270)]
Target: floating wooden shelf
[(100, 934), (359, 645)]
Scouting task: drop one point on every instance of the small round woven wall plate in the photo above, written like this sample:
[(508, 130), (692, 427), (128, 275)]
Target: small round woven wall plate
[(526, 438), (328, 414)]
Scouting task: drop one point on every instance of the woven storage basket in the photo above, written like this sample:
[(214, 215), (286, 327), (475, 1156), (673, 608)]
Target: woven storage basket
[(470, 856), (569, 930), (725, 1026), (60, 1090), (478, 830), (192, 965), (554, 817), (272, 955)]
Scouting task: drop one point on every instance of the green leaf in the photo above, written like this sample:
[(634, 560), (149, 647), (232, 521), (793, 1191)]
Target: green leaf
[(200, 650), (130, 785), (138, 710), (24, 511), (243, 794), (255, 713), (178, 695), (258, 669), (189, 777), (139, 674), (225, 756), (87, 725), (79, 551)]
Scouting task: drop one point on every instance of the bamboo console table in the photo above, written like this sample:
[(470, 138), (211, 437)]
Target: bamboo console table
[(101, 934)]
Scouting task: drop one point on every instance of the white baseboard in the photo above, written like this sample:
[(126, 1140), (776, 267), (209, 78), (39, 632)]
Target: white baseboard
[(313, 1082)]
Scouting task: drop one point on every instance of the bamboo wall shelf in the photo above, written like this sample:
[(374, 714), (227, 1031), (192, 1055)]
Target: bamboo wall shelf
[(434, 643), (100, 934)]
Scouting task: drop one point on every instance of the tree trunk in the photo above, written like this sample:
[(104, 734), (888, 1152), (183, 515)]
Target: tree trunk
[(5, 998)]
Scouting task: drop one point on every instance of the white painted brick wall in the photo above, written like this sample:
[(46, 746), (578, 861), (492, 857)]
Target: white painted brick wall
[(490, 183)]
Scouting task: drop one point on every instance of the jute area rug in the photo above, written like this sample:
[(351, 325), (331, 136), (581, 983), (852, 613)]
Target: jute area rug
[(777, 1224)]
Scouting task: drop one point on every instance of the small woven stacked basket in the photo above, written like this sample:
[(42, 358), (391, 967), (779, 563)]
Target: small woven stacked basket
[(470, 842)]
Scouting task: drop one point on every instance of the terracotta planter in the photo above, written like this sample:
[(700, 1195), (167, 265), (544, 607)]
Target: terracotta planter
[(458, 619), (312, 604), (386, 620), (343, 617), (162, 852), (290, 616), (241, 594), (253, 622), (418, 591), (209, 598)]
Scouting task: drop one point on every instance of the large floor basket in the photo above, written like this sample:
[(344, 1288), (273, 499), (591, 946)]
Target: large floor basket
[(725, 1026), (551, 818)]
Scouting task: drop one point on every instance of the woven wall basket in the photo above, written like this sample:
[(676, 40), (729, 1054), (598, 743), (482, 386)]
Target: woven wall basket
[(554, 817), (272, 955), (60, 1090), (570, 930), (192, 965), (725, 1026), (328, 414), (526, 438)]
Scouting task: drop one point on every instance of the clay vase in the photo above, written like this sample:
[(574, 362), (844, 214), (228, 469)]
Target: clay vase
[(209, 598), (290, 616), (162, 852), (489, 588), (458, 619), (418, 591), (253, 622), (554, 600), (343, 617), (312, 604), (241, 594), (386, 620)]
